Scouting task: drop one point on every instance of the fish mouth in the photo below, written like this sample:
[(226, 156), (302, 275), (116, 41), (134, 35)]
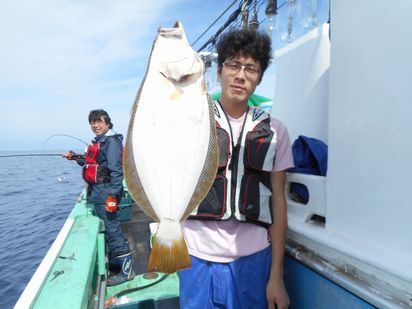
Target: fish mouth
[(178, 62), (176, 31)]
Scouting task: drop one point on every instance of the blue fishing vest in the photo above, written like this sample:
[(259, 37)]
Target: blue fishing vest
[(242, 187)]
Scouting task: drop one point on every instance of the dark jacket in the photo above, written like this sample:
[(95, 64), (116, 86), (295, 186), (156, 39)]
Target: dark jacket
[(110, 155)]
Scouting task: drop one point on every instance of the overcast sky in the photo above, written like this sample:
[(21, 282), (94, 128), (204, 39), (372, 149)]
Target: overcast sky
[(59, 59)]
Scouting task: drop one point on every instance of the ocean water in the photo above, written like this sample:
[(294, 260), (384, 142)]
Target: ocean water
[(37, 194)]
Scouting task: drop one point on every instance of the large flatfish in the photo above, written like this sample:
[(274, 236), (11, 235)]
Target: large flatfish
[(171, 153)]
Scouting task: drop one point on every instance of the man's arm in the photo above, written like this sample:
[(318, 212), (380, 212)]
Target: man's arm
[(275, 290)]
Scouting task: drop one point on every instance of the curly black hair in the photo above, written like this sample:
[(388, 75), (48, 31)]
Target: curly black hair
[(247, 43)]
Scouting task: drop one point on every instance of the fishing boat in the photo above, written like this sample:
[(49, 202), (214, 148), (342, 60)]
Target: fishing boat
[(344, 82), (73, 272)]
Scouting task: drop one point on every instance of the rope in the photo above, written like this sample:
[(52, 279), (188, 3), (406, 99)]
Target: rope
[(208, 28)]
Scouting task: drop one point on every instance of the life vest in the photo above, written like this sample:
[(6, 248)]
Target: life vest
[(92, 171), (242, 187)]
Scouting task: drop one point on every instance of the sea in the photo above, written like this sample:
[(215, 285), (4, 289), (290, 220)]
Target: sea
[(37, 192)]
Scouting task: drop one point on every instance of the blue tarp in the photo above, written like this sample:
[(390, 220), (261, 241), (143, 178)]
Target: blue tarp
[(310, 156)]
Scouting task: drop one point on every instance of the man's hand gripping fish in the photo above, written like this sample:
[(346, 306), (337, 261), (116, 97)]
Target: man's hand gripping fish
[(171, 153)]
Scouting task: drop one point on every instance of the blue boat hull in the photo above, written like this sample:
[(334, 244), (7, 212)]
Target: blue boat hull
[(308, 289)]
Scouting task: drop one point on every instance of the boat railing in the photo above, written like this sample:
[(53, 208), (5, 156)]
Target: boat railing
[(315, 208), (74, 263)]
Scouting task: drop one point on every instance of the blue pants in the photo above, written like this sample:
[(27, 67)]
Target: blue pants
[(113, 232), (236, 285)]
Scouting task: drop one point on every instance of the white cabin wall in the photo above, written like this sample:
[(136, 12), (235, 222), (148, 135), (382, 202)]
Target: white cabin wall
[(370, 125), (301, 87)]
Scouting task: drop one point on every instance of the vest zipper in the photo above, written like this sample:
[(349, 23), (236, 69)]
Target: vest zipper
[(234, 159)]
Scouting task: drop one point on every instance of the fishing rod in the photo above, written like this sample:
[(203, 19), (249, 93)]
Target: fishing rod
[(32, 155), (65, 135), (44, 146)]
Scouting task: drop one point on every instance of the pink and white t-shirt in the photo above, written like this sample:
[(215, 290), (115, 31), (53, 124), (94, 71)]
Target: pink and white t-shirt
[(226, 241)]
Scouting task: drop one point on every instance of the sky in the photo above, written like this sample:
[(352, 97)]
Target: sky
[(59, 59)]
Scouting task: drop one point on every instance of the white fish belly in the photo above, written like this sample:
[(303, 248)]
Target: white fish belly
[(170, 143)]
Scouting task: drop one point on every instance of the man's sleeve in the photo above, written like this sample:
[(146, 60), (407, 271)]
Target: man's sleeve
[(284, 156), (114, 164)]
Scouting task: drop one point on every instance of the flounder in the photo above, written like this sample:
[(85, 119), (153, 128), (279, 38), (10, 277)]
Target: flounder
[(171, 152)]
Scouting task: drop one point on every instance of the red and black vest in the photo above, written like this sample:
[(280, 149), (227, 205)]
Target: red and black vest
[(242, 187), (92, 171)]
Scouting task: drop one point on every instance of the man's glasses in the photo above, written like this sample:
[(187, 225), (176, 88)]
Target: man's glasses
[(234, 67), (96, 122)]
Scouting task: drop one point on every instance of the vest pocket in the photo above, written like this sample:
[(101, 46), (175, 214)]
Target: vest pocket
[(255, 200), (258, 147), (95, 173), (214, 204)]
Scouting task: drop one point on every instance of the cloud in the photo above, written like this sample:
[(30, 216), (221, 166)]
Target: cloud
[(64, 43), (60, 59)]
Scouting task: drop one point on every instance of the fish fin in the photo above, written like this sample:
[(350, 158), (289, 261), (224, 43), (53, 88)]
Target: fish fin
[(169, 252), (210, 166), (132, 178)]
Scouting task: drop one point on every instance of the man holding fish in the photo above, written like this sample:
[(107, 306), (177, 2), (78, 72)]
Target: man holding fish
[(221, 165), (236, 236)]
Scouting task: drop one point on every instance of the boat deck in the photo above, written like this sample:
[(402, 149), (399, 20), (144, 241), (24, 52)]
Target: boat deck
[(146, 290), (137, 232)]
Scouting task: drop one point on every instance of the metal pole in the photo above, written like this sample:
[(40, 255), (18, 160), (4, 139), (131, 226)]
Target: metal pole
[(245, 14)]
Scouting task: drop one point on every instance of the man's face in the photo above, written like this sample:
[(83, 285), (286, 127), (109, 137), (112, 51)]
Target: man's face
[(99, 126), (239, 77)]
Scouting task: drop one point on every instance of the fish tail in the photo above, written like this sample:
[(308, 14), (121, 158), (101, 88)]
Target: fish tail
[(169, 252)]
